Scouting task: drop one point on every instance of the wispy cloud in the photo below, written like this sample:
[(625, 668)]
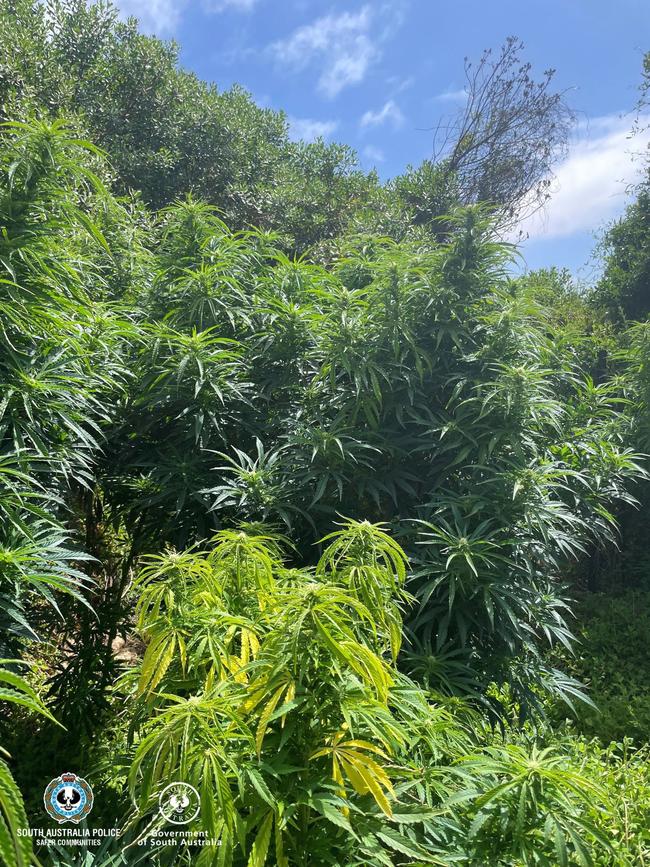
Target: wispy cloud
[(162, 17), (155, 16), (373, 154), (397, 84), (590, 186), (235, 5), (452, 95), (306, 129), (390, 112), (342, 46)]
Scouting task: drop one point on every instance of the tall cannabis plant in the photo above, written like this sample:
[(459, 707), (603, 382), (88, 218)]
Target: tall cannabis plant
[(274, 692)]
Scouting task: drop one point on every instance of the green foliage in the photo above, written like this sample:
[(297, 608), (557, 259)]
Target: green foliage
[(623, 289), (530, 784), (53, 389), (15, 849), (624, 772), (166, 380), (274, 691), (427, 193), (73, 57), (581, 326), (169, 134), (612, 659), (52, 394), (406, 381)]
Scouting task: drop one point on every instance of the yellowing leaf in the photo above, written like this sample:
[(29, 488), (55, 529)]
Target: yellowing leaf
[(157, 659), (289, 696), (266, 715)]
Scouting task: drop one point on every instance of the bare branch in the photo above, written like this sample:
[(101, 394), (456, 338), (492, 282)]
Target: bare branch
[(502, 145)]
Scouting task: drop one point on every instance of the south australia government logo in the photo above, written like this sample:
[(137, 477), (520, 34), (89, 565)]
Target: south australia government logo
[(68, 798), (179, 803)]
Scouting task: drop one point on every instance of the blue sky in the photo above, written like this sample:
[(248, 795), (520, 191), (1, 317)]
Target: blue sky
[(379, 75)]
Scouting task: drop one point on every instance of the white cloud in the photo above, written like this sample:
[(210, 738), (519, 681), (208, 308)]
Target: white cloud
[(162, 17), (373, 154), (389, 113), (397, 85), (452, 95), (591, 184), (155, 16), (306, 129), (340, 44), (235, 5)]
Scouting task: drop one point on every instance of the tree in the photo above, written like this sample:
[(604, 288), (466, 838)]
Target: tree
[(168, 132), (501, 146), (623, 291), (624, 288)]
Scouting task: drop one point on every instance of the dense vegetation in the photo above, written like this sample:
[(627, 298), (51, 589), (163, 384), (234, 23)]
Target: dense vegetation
[(303, 495)]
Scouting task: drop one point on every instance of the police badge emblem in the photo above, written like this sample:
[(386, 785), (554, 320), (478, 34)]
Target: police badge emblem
[(68, 798)]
